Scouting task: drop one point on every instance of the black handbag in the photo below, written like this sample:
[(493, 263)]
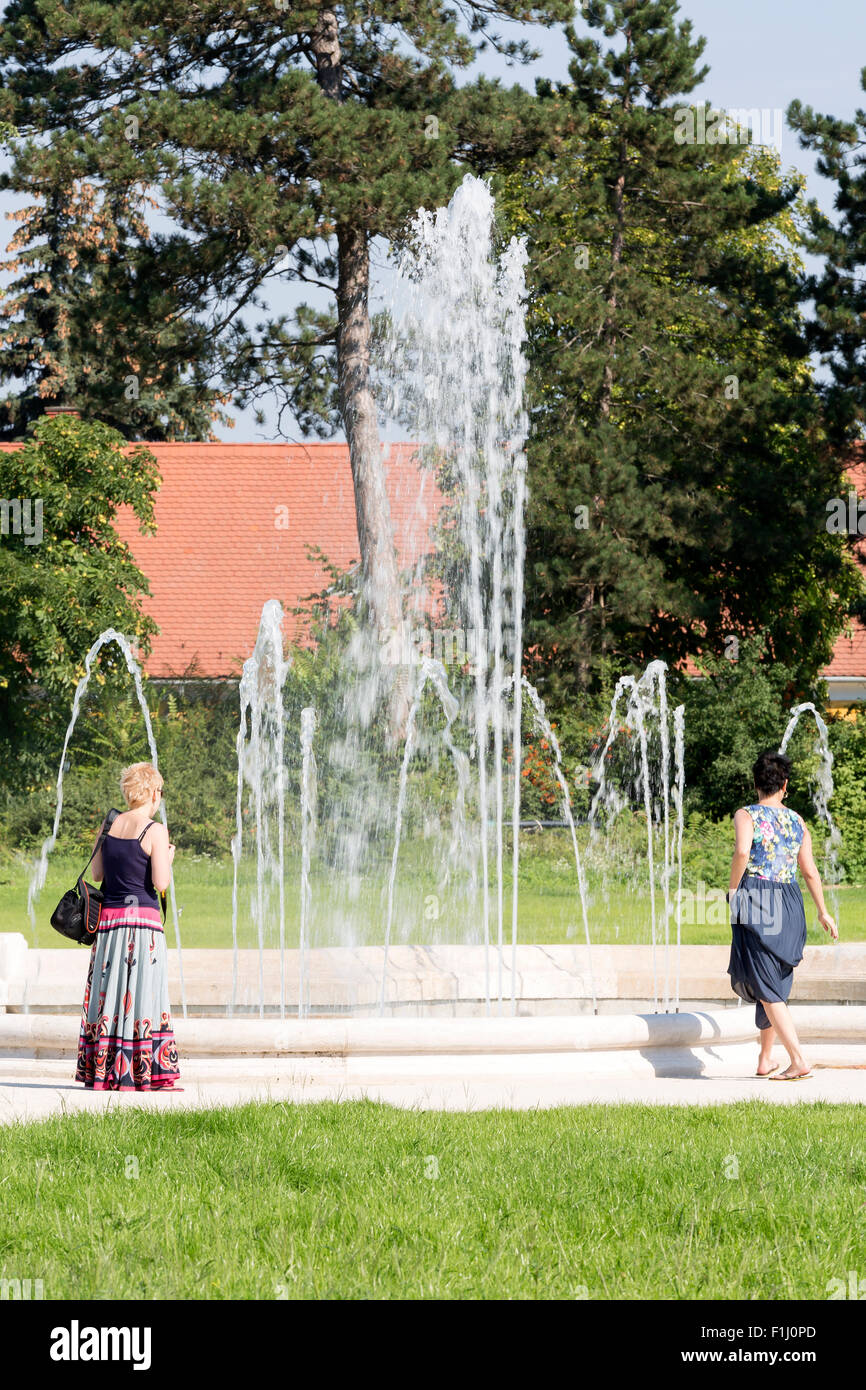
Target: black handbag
[(76, 916)]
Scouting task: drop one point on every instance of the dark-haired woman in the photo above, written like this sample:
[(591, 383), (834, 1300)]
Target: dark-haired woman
[(768, 923)]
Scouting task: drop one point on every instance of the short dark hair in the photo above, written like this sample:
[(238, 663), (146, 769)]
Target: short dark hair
[(771, 772)]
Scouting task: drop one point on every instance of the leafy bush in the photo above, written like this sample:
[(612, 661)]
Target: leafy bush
[(735, 711), (195, 740), (57, 595), (848, 807)]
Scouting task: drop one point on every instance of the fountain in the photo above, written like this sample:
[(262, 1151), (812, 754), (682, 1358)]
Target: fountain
[(40, 868), (361, 811), (308, 829), (647, 707), (372, 860), (434, 672), (456, 374), (453, 374), (822, 792), (546, 729), (260, 750)]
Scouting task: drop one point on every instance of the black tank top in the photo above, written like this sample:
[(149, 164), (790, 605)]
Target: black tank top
[(126, 872)]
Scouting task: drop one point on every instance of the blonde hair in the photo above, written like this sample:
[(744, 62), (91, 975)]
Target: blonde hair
[(138, 783)]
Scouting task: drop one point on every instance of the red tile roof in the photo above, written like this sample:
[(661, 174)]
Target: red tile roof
[(233, 525), (849, 653)]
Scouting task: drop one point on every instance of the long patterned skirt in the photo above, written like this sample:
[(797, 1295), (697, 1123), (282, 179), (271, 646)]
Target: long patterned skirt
[(126, 1041)]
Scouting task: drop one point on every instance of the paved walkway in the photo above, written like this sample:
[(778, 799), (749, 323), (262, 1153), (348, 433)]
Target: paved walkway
[(36, 1089)]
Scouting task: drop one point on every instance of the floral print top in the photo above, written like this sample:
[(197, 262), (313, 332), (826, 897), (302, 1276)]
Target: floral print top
[(776, 839)]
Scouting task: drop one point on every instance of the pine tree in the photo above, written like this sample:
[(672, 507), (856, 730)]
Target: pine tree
[(84, 310), (284, 134), (839, 292), (677, 472)]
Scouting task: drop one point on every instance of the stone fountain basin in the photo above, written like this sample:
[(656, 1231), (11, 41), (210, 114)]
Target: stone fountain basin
[(592, 1043), (437, 1027), (445, 982)]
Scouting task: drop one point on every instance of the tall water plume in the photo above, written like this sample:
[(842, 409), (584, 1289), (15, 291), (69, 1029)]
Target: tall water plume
[(647, 778), (40, 868), (261, 770), (821, 791), (456, 379)]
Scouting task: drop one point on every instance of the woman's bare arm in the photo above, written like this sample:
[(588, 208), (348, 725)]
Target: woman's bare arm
[(744, 831), (161, 855), (812, 879)]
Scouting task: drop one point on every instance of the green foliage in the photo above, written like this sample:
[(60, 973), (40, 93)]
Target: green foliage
[(734, 711), (197, 758), (678, 466), (91, 316), (277, 141), (839, 289), (195, 738), (58, 594), (707, 849), (848, 807)]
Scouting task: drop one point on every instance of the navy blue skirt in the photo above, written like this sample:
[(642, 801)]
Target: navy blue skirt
[(768, 930)]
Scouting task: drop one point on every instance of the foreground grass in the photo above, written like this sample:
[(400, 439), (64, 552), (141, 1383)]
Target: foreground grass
[(359, 1200), (549, 908)]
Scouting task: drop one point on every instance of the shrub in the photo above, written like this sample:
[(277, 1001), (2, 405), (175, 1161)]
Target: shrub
[(848, 807)]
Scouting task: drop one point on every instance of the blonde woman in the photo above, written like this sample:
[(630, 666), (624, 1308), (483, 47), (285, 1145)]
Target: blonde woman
[(126, 1040)]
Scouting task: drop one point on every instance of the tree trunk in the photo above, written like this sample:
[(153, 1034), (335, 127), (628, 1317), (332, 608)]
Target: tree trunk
[(357, 406), (358, 410), (609, 328), (610, 325)]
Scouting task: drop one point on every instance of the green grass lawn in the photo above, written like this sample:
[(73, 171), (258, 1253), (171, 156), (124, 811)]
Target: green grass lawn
[(359, 1200), (549, 907)]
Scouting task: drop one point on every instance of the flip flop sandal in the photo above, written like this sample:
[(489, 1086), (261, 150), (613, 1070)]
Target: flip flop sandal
[(762, 1075), (803, 1076)]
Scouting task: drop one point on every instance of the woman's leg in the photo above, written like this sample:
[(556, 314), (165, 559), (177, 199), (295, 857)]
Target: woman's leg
[(765, 1060), (768, 1037), (783, 1024)]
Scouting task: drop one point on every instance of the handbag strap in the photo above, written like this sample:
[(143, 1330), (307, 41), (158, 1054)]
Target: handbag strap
[(160, 896), (106, 826)]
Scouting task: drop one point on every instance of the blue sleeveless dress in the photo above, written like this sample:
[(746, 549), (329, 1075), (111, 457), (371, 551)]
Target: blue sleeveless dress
[(768, 921), (126, 1041)]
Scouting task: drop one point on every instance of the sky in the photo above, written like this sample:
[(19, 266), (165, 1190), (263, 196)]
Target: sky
[(761, 54)]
